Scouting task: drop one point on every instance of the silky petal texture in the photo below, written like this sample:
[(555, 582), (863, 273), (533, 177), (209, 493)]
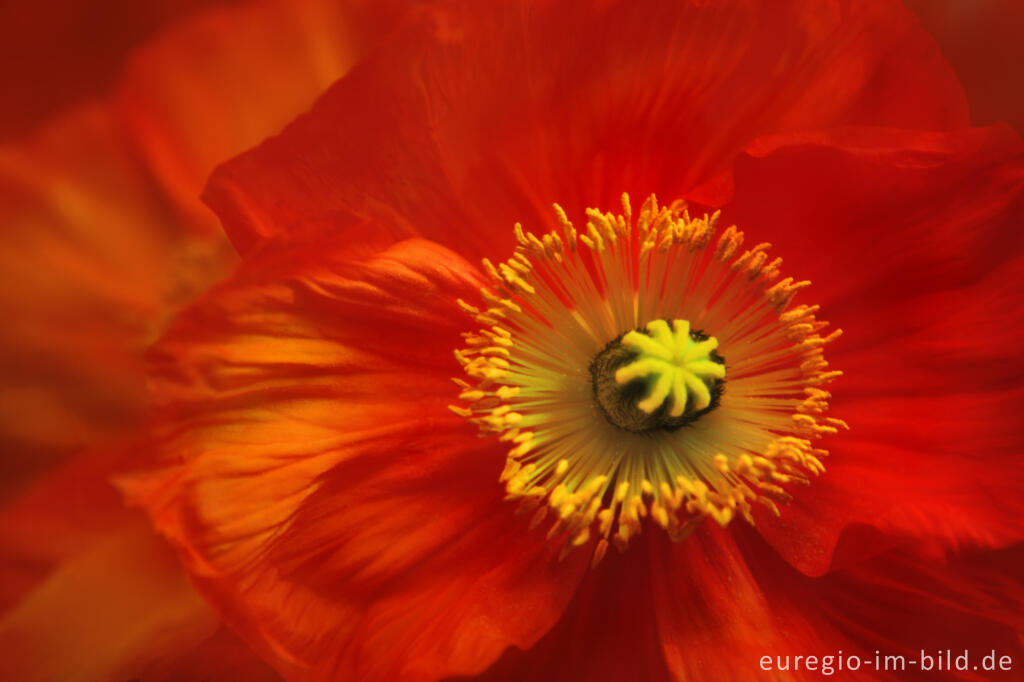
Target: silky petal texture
[(103, 234), (322, 495), (912, 242), (479, 115)]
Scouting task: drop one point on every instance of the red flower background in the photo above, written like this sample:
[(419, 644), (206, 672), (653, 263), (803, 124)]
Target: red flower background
[(863, 173)]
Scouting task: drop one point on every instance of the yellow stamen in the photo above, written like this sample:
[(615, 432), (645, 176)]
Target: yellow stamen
[(643, 286)]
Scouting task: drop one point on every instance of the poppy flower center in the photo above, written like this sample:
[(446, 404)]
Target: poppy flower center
[(661, 378), (594, 362)]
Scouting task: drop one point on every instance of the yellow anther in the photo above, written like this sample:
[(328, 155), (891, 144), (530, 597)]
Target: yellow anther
[(558, 495), (461, 411), (517, 229), (660, 515), (471, 309), (581, 537), (599, 552)]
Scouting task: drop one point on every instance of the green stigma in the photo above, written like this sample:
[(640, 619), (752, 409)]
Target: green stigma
[(663, 378)]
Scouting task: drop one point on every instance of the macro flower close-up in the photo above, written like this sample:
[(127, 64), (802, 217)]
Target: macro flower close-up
[(520, 340)]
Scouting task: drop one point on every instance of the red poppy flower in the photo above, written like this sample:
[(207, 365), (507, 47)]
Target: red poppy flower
[(348, 524), (633, 370)]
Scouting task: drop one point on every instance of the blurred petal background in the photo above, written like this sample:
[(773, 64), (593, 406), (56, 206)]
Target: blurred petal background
[(114, 115)]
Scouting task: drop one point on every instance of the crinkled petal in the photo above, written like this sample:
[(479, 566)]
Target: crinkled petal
[(483, 114), (609, 630), (321, 493), (713, 606)]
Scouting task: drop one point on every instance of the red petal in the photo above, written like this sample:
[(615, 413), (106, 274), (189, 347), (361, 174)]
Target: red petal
[(327, 502), (720, 601), (897, 213), (482, 114), (68, 511), (609, 630), (715, 615), (725, 601), (907, 239)]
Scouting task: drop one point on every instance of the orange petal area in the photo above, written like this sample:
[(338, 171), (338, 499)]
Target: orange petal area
[(579, 114), (229, 77), (321, 493), (920, 266), (105, 614)]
